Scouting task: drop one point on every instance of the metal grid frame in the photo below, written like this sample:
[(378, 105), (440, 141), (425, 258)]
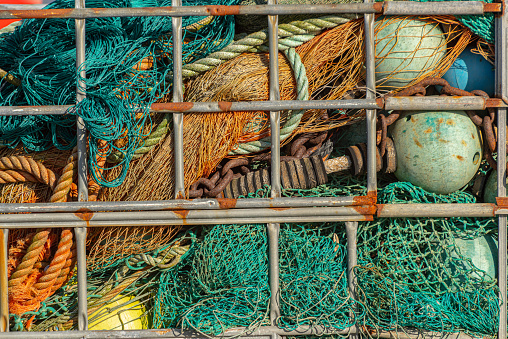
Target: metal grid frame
[(213, 211)]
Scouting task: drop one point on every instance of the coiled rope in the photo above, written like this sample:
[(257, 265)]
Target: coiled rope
[(57, 273), (302, 87)]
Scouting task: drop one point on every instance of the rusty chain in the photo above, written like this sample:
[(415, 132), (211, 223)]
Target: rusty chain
[(419, 89), (214, 185)]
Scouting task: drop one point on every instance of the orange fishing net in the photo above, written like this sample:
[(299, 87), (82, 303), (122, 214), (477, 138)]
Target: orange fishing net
[(334, 63)]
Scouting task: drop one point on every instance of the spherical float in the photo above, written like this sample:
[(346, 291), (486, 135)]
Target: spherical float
[(471, 71), (490, 189), (406, 50), (438, 151), (120, 314), (471, 264)]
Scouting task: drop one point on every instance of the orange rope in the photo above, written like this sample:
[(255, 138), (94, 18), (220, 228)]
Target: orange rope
[(28, 285)]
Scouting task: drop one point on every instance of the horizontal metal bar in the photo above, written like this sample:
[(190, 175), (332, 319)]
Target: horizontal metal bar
[(21, 6), (435, 210), (237, 332), (207, 107), (438, 103), (430, 8), (177, 333), (387, 8), (391, 103), (204, 204), (96, 218)]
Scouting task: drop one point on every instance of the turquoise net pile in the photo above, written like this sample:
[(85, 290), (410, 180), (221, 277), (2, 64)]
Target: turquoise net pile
[(42, 54), (410, 274)]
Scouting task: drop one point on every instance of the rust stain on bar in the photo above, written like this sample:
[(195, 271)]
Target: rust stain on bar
[(40, 13), (494, 102), (493, 7), (225, 106), (172, 106), (365, 209), (364, 200), (220, 10), (379, 7), (502, 202), (379, 209), (279, 208), (181, 213), (225, 203), (380, 102), (84, 214)]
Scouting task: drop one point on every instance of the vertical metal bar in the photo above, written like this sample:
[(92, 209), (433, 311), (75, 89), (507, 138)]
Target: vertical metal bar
[(80, 232), (4, 289), (178, 97), (352, 261), (371, 94), (501, 47), (274, 229)]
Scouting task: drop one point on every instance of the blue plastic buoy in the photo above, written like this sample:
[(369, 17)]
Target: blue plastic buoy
[(471, 71)]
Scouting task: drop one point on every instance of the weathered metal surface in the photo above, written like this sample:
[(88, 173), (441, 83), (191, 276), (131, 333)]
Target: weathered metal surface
[(435, 210)]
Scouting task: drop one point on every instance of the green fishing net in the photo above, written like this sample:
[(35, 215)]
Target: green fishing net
[(411, 273), (119, 91)]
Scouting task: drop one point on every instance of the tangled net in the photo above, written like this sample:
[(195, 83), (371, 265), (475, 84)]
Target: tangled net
[(128, 64)]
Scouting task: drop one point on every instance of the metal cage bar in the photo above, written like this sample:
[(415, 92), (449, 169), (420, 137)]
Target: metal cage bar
[(273, 229), (80, 232), (209, 211)]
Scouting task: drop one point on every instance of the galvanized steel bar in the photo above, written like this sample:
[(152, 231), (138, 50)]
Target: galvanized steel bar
[(436, 103), (209, 107), (80, 232), (370, 94), (141, 216), (4, 289), (273, 229), (352, 261), (501, 89), (155, 205), (178, 97), (177, 333), (393, 103), (436, 210), (430, 8), (188, 221), (241, 333), (440, 8)]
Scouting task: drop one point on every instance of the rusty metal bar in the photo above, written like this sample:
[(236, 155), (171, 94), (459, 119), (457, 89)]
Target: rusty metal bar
[(387, 8), (175, 217), (4, 295), (392, 103), (158, 205)]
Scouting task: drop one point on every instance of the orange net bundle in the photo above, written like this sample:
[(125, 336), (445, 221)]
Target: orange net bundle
[(334, 64)]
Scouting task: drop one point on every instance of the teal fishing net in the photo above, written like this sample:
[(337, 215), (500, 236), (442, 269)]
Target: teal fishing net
[(119, 90), (225, 284), (419, 272), (481, 25), (411, 273)]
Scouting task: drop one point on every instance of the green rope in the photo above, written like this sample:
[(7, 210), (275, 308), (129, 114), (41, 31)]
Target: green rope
[(152, 140), (293, 34), (302, 85)]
